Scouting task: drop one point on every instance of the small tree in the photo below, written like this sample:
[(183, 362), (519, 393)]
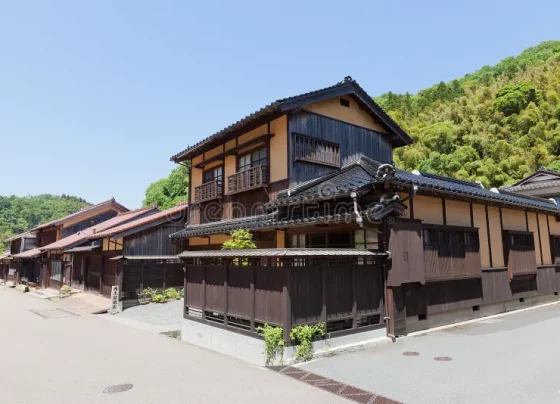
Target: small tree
[(241, 239)]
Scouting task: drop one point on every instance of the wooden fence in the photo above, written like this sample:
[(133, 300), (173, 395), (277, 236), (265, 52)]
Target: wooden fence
[(341, 293)]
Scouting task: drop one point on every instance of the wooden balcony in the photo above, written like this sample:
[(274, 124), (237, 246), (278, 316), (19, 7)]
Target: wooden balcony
[(251, 178), (208, 191)]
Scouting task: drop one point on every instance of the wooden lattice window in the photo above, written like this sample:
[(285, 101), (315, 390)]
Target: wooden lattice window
[(316, 151)]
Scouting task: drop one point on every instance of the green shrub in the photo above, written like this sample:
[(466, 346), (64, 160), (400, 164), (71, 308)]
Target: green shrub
[(148, 292), (171, 294), (158, 298), (302, 335), (182, 292), (65, 289), (274, 342)]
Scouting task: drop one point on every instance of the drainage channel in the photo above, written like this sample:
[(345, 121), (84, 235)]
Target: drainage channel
[(332, 386)]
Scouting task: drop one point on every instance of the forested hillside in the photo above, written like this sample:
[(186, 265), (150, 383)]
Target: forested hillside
[(496, 125), (165, 193), (19, 214)]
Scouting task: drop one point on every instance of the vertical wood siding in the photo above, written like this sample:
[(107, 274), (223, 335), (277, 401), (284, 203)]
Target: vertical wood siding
[(154, 241), (354, 142)]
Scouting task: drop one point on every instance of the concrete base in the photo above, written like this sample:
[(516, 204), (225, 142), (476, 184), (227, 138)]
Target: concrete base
[(413, 324), (252, 349)]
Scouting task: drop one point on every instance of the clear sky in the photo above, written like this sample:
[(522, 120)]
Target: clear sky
[(95, 96)]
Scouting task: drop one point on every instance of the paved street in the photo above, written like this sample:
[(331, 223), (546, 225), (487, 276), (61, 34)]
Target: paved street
[(72, 359), (509, 359)]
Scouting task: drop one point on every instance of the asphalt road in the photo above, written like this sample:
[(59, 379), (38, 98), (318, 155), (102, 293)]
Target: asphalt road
[(508, 359), (72, 359)]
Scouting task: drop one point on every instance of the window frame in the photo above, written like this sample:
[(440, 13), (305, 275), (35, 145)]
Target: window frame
[(252, 164)]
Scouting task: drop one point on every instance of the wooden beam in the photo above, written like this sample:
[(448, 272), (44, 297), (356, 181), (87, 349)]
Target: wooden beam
[(220, 156), (287, 305), (226, 295), (253, 278)]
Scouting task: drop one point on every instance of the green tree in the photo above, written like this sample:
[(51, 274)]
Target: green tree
[(167, 192), (241, 239)]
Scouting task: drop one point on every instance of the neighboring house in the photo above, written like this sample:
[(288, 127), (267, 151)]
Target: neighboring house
[(544, 183), (22, 271), (143, 255), (40, 265), (4, 265), (342, 236), (93, 271)]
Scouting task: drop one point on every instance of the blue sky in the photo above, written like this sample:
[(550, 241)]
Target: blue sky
[(96, 96)]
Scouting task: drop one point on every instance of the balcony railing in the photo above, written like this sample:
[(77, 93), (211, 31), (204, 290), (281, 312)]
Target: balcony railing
[(208, 191), (250, 178)]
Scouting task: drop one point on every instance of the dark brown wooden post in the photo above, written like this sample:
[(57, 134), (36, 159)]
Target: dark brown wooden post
[(120, 276), (287, 323), (324, 291), (163, 274), (185, 282), (203, 294), (354, 295), (226, 296), (101, 274), (253, 297), (142, 276)]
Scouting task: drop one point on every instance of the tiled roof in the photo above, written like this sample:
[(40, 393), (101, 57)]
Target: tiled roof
[(354, 177), (29, 254), (283, 105), (57, 222), (282, 252), (541, 170), (27, 234), (226, 226), (83, 235), (177, 212), (261, 222), (532, 185)]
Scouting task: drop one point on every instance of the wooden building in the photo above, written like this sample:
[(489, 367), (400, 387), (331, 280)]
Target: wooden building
[(40, 266), (142, 253), (544, 183), (4, 265), (21, 269), (79, 263), (356, 243)]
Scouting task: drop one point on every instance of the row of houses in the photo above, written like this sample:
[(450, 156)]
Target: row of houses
[(343, 236), (99, 247)]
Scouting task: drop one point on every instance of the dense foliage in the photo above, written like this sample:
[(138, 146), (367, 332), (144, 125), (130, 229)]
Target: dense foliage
[(496, 125), (167, 192), (19, 214)]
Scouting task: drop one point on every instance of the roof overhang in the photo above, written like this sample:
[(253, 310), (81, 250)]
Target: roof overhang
[(278, 108), (283, 253), (82, 249)]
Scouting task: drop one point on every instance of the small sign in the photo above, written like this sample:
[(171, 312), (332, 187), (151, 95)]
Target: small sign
[(114, 300)]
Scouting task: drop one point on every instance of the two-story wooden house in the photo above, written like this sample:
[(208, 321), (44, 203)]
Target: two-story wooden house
[(92, 271), (345, 238), (45, 266)]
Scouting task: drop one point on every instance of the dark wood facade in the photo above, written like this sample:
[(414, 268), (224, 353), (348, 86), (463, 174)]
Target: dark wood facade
[(343, 293), (349, 142)]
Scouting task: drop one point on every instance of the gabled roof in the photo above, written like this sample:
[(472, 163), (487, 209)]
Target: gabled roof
[(540, 172), (354, 178), (27, 234), (172, 214), (29, 254), (82, 212), (83, 235), (279, 107)]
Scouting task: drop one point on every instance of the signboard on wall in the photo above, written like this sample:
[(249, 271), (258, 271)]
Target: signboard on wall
[(114, 300)]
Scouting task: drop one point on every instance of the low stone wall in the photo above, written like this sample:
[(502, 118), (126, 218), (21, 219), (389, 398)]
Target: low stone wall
[(252, 349), (413, 324)]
